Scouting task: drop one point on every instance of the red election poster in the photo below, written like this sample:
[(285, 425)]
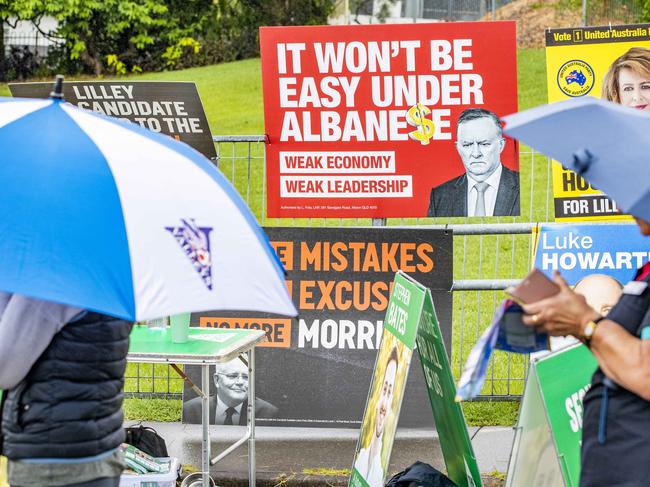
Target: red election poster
[(361, 120)]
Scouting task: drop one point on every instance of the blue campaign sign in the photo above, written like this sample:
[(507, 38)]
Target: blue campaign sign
[(614, 249)]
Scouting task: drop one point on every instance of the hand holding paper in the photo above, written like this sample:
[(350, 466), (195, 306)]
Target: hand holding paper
[(564, 313)]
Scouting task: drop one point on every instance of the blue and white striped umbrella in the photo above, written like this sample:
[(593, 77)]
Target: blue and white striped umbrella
[(105, 215)]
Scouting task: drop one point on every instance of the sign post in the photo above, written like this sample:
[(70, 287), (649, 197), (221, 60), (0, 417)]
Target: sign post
[(410, 320)]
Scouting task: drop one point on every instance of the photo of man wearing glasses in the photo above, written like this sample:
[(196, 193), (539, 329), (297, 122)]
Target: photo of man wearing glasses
[(229, 405)]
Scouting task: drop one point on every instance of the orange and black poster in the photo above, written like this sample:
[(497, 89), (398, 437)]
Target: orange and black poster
[(315, 370)]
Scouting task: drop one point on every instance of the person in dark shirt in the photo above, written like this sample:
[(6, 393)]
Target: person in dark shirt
[(616, 423)]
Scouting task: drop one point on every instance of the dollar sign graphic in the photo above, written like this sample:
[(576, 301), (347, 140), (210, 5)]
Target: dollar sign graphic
[(416, 116)]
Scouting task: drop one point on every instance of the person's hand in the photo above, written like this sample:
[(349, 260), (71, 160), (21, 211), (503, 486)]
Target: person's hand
[(565, 313)]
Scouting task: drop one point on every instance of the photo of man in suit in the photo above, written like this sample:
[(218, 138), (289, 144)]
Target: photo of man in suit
[(229, 405), (487, 188)]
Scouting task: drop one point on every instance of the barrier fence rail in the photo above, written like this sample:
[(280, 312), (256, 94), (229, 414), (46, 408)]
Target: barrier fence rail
[(488, 257)]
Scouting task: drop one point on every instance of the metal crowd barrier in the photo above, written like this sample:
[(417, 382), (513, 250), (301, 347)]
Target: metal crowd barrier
[(488, 257)]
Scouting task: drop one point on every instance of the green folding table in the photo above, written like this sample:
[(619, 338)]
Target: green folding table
[(206, 347)]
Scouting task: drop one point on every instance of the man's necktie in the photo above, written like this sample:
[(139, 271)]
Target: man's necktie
[(480, 198), (229, 413)]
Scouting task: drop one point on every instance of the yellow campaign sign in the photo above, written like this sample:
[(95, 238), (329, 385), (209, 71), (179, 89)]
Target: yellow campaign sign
[(577, 59)]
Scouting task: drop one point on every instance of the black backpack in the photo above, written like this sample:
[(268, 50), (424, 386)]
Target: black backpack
[(420, 475), (146, 439)]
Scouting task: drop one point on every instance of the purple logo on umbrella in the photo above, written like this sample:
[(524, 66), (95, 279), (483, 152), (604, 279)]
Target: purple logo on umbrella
[(195, 241)]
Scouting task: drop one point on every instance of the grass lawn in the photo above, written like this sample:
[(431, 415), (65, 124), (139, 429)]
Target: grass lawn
[(232, 96)]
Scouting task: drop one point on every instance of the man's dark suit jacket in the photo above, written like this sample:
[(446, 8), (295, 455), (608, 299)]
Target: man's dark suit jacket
[(450, 198), (192, 410)]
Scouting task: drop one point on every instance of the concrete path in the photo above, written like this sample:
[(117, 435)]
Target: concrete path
[(312, 456)]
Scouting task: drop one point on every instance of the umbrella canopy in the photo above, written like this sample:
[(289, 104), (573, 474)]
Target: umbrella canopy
[(605, 143), (105, 215)]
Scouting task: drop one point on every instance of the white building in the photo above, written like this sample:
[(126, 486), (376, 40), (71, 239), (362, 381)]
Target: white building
[(404, 11), (26, 34)]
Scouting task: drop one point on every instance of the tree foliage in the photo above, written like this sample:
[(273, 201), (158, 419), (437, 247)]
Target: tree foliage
[(123, 36), (130, 31), (95, 29), (234, 34), (14, 10), (645, 10), (381, 12)]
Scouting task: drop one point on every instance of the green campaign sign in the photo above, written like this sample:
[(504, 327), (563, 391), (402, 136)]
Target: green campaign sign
[(403, 312), (549, 430), (411, 319), (563, 402), (388, 382), (450, 421)]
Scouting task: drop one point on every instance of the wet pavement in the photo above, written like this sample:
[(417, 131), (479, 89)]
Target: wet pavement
[(321, 456)]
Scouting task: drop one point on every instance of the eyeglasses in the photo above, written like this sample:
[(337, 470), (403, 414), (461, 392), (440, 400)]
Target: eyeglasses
[(233, 376)]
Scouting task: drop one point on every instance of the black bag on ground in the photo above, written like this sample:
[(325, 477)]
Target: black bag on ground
[(420, 475), (146, 439)]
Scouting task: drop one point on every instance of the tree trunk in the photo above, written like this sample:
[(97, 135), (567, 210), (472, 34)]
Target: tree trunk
[(93, 62), (99, 68)]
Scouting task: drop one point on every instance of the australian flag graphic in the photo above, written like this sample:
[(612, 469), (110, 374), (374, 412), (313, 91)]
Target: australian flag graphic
[(195, 241), (576, 76)]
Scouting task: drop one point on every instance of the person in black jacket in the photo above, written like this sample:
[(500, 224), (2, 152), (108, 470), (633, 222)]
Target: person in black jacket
[(62, 369)]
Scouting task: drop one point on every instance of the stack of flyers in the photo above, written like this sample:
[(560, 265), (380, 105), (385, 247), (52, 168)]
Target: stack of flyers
[(142, 463), (514, 335), (506, 332)]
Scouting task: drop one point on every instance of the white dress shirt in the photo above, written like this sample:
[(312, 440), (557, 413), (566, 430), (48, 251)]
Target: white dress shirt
[(370, 468), (490, 192), (220, 413)]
